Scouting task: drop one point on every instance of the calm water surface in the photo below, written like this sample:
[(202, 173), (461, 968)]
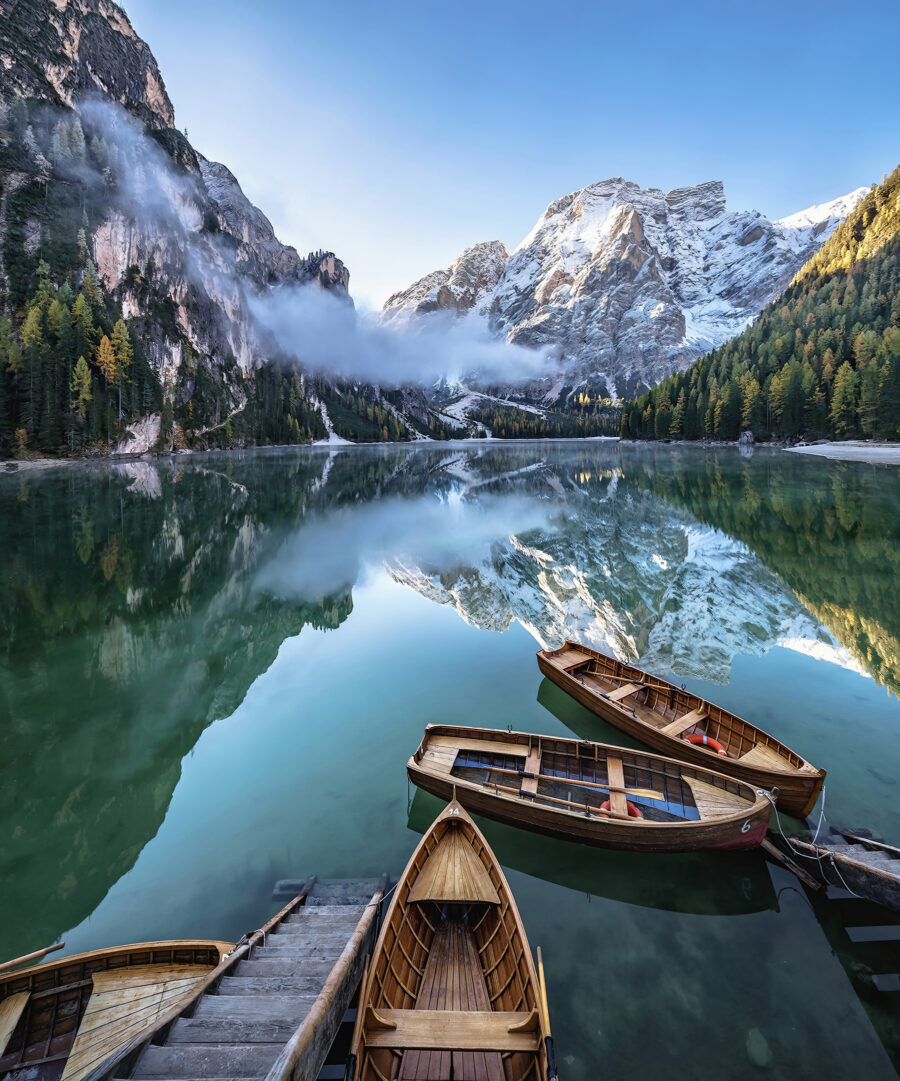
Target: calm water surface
[(212, 672)]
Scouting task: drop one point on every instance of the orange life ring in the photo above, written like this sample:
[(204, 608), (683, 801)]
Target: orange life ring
[(633, 810), (706, 741)]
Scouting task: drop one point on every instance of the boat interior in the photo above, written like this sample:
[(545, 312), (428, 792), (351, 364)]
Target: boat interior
[(675, 712), (581, 778), (60, 1020), (452, 946)]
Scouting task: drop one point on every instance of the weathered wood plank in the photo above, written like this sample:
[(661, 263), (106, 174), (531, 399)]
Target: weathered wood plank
[(125, 1001), (314, 968), (291, 1008), (207, 1060)]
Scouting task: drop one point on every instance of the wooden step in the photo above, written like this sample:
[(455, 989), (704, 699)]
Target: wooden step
[(230, 1030), (294, 934), (317, 968), (205, 1060), (889, 981), (272, 985), (338, 916), (255, 1007), (305, 951), (884, 933)]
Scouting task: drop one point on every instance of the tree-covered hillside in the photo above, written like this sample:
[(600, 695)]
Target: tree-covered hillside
[(823, 359)]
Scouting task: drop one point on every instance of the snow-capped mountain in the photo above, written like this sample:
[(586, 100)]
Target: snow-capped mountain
[(628, 284)]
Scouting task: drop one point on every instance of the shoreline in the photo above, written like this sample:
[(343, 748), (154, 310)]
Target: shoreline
[(854, 450)]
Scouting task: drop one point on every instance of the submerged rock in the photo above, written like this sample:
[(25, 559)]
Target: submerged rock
[(758, 1051)]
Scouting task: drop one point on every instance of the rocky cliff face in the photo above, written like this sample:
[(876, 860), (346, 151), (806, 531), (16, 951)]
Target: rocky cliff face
[(629, 284), (172, 236), (62, 50)]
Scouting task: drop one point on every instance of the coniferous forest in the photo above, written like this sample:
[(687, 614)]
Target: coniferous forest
[(822, 360)]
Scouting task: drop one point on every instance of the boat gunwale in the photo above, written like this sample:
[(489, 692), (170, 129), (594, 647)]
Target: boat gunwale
[(761, 801)]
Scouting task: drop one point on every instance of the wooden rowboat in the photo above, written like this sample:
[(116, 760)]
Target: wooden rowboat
[(60, 1020), (675, 722), (451, 989), (590, 792)]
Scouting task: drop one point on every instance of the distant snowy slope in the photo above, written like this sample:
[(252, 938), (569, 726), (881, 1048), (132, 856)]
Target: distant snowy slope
[(627, 284)]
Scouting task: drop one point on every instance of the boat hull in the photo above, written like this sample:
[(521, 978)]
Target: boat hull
[(744, 829), (446, 993), (797, 793), (56, 998)]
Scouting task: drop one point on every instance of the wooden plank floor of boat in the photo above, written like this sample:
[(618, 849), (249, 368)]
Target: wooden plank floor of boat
[(452, 980)]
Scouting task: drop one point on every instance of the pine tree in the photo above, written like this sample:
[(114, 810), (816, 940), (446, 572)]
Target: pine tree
[(843, 401), (124, 353), (80, 387), (106, 361), (83, 325), (868, 399)]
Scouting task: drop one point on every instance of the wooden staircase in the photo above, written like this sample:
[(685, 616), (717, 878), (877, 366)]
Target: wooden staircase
[(276, 1009)]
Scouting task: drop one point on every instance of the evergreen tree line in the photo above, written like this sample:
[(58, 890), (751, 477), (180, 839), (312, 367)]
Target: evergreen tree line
[(822, 360), (509, 422), (360, 418), (70, 373)]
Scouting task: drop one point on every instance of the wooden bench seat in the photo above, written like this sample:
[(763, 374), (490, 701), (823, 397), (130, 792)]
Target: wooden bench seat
[(533, 766), (685, 721), (623, 692), (463, 1030)]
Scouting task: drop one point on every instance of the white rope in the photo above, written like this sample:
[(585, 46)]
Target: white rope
[(820, 853)]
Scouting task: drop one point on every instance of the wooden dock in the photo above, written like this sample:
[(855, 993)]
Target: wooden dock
[(273, 1007)]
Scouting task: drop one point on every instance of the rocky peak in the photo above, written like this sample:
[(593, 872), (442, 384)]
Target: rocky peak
[(66, 50), (459, 288), (630, 284)]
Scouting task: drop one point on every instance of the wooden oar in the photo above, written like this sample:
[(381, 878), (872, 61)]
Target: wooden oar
[(589, 810), (548, 1037), (30, 956), (647, 793), (640, 681)]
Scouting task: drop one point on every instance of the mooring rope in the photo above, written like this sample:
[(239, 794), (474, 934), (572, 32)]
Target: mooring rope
[(820, 853)]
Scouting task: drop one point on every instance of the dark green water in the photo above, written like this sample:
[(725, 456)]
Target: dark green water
[(212, 672)]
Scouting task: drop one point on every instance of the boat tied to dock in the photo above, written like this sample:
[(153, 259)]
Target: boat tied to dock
[(592, 793), (676, 722)]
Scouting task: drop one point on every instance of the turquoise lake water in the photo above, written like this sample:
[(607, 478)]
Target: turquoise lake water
[(213, 670)]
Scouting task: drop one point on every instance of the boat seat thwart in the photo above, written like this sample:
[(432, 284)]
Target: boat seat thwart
[(532, 772), (623, 692), (473, 1030), (682, 724)]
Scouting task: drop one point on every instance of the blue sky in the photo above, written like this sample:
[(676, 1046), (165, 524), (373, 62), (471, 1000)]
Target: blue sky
[(398, 133)]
